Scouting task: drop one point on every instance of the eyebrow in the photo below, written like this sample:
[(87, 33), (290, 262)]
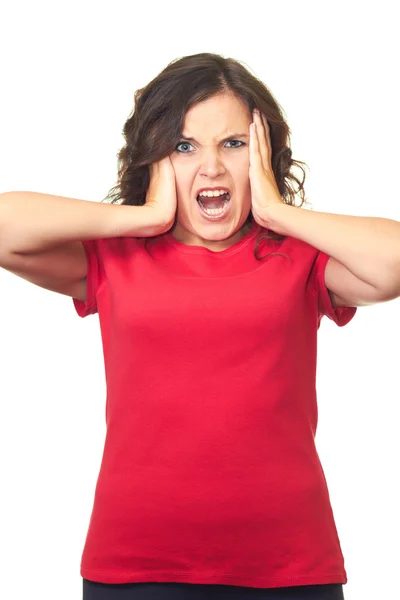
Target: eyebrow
[(230, 137)]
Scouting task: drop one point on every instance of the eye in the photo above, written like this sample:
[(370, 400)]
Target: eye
[(239, 142), (182, 144), (188, 144)]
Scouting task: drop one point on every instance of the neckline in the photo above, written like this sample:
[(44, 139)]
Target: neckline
[(188, 249)]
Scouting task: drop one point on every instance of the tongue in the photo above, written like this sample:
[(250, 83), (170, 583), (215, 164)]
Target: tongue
[(216, 202)]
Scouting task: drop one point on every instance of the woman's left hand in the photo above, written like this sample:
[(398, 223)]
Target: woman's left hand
[(264, 189)]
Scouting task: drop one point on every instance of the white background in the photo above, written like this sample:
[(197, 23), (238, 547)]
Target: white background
[(68, 74)]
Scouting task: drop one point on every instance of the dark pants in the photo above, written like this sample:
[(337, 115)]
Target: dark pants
[(198, 591)]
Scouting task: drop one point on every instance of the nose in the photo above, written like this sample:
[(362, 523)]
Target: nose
[(211, 164)]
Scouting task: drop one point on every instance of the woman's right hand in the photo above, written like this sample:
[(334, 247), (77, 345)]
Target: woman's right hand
[(161, 194)]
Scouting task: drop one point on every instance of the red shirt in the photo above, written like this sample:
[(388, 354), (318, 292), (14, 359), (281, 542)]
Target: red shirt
[(210, 472)]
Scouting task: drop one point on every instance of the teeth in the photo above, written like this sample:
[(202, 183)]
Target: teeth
[(214, 211), (211, 193)]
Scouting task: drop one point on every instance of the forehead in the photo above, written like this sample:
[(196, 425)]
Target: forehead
[(215, 117)]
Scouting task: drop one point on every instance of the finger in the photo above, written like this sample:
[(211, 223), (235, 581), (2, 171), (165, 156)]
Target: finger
[(268, 138), (267, 134), (263, 142), (255, 156)]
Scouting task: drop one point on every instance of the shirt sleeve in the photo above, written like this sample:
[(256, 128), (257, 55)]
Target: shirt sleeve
[(340, 315), (94, 279)]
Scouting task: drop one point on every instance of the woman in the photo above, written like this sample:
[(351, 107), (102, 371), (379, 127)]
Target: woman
[(210, 484)]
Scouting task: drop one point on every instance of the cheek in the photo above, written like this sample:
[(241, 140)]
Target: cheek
[(242, 175), (182, 177), (239, 165)]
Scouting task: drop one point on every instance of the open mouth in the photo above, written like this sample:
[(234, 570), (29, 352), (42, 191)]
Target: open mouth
[(214, 207)]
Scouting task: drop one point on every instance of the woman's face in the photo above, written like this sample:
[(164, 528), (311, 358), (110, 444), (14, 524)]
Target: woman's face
[(218, 155)]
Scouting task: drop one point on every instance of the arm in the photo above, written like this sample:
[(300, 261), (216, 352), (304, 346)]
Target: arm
[(31, 222)]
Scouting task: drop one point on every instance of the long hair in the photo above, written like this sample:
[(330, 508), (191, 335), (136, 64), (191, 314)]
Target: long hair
[(154, 126)]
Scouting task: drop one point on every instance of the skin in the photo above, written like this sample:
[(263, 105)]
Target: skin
[(211, 162)]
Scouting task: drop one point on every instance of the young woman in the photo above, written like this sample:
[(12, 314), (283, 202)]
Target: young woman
[(210, 484)]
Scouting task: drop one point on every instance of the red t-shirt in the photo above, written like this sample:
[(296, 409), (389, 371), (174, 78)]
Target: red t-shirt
[(210, 472)]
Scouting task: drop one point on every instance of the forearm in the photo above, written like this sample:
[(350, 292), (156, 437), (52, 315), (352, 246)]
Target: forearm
[(31, 222), (368, 246)]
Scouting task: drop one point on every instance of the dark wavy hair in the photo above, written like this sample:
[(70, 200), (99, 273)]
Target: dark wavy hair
[(154, 126)]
